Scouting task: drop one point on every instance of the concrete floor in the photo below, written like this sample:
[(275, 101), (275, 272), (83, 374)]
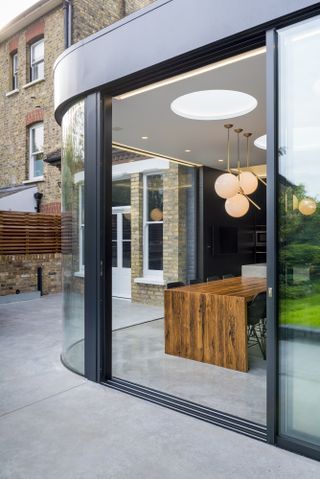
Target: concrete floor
[(138, 356), (125, 313), (56, 425)]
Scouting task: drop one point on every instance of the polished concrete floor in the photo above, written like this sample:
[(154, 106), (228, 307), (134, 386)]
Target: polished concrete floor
[(56, 425), (138, 356), (125, 313)]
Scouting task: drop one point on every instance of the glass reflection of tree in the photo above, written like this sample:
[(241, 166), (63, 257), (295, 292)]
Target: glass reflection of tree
[(299, 242)]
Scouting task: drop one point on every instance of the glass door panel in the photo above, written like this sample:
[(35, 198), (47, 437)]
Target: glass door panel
[(299, 230)]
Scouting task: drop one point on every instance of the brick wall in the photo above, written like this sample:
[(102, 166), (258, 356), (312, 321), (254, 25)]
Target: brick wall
[(34, 102), (28, 105), (19, 272), (91, 16), (134, 5), (176, 184)]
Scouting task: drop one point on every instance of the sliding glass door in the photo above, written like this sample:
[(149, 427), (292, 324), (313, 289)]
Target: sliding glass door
[(299, 232)]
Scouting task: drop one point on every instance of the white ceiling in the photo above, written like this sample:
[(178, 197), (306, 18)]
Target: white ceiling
[(149, 114)]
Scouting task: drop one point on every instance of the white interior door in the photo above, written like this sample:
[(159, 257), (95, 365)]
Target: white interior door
[(121, 252)]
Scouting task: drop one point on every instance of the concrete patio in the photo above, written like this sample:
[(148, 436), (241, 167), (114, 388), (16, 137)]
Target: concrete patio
[(55, 424)]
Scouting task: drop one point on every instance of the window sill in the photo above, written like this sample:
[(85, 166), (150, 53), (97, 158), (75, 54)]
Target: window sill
[(12, 92), (34, 82), (79, 274), (38, 179), (150, 280)]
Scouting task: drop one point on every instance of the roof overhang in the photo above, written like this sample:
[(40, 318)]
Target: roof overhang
[(27, 17), (148, 44)]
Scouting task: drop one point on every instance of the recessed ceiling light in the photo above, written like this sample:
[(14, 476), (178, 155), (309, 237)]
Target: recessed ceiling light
[(261, 142), (187, 151), (213, 104), (144, 137), (221, 160)]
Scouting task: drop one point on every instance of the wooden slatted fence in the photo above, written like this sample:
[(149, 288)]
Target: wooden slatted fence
[(29, 233)]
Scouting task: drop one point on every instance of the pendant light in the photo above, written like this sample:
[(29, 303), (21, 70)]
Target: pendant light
[(248, 181), (227, 184), (238, 205), (307, 206)]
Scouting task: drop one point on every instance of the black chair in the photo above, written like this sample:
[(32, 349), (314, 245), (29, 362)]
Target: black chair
[(194, 281), (213, 278), (175, 284), (257, 311), (226, 276)]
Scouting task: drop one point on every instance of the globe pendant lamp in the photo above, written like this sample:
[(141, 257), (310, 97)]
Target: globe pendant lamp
[(248, 181), (237, 206), (307, 206), (227, 184)]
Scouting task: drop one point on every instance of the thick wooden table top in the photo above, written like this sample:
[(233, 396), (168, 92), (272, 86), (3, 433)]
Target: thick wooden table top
[(239, 286)]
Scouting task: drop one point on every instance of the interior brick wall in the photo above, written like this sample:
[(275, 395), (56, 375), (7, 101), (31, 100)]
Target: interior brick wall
[(175, 261)]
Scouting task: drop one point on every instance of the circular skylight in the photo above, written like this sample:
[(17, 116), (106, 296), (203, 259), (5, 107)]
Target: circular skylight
[(213, 104), (261, 142)]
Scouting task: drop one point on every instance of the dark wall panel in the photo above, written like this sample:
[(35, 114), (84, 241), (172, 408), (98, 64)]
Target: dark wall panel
[(228, 242)]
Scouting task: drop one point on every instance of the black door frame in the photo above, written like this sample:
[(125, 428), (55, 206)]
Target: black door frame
[(98, 294)]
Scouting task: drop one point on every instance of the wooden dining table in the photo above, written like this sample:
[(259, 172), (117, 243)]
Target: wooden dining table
[(207, 322)]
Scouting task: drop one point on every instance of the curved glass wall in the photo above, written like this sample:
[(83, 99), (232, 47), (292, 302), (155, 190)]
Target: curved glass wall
[(73, 236)]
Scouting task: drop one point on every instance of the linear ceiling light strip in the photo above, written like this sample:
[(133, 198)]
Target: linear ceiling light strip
[(152, 154), (192, 73)]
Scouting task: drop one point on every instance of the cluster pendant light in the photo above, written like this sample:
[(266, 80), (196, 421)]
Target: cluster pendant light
[(227, 184), (235, 188)]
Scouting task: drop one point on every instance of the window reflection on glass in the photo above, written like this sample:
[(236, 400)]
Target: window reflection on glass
[(37, 60), (126, 254), (155, 197), (126, 240), (299, 230), (36, 151), (121, 192), (81, 227), (114, 241), (14, 67), (155, 246), (153, 242)]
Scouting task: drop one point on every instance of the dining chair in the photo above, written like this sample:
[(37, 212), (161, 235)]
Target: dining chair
[(256, 317), (213, 278), (175, 284)]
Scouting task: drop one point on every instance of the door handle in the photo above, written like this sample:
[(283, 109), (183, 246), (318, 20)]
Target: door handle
[(270, 292)]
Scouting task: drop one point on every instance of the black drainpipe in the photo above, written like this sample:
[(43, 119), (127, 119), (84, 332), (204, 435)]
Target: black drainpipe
[(67, 7)]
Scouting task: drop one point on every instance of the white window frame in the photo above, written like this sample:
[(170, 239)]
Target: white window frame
[(81, 229), (33, 153), (154, 273), (14, 67), (34, 63)]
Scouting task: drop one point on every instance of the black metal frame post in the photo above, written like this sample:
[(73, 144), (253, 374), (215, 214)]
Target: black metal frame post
[(272, 261), (105, 340)]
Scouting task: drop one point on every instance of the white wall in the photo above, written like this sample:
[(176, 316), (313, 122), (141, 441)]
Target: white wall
[(19, 201)]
